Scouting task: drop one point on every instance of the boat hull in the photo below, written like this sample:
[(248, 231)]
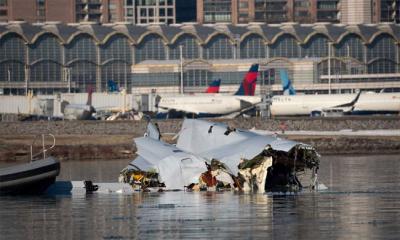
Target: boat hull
[(30, 178)]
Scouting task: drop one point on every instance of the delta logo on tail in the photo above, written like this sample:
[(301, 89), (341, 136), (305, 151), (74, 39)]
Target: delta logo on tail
[(213, 87), (248, 85)]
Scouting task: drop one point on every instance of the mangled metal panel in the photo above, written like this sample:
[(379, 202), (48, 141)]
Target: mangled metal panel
[(228, 145), (215, 156), (175, 167)]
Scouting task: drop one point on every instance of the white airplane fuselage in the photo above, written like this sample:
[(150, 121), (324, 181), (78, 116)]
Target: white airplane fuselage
[(368, 103), (213, 104)]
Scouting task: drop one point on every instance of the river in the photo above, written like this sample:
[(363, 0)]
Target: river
[(362, 202)]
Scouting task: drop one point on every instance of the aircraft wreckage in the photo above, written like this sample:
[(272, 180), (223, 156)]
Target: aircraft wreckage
[(215, 156)]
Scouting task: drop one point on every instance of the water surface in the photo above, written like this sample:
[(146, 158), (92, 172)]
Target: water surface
[(363, 202)]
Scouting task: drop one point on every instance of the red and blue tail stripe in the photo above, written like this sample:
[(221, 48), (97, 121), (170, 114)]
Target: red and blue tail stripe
[(213, 87), (248, 85)]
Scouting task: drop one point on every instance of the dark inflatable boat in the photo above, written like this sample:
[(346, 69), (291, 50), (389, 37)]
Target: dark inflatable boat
[(29, 178)]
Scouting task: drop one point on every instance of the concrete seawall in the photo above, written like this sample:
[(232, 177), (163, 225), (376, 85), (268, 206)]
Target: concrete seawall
[(113, 139)]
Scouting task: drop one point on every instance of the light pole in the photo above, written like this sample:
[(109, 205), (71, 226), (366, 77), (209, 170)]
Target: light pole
[(68, 78), (9, 80), (181, 60), (329, 66)]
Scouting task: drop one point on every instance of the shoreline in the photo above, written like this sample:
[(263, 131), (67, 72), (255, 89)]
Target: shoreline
[(103, 147), (102, 140)]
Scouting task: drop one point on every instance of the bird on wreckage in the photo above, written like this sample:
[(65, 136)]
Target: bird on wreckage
[(215, 156)]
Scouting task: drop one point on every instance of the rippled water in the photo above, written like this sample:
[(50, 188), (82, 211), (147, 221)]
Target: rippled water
[(363, 202)]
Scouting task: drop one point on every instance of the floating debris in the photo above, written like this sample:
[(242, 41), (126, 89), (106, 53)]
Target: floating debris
[(215, 157)]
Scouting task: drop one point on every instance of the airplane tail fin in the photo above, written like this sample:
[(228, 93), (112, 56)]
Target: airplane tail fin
[(248, 85), (152, 131), (286, 83), (90, 92), (213, 87), (112, 86)]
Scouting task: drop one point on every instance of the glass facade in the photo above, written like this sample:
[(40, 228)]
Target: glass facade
[(217, 11), (390, 10), (82, 47), (350, 46), (12, 71), (190, 48), (45, 71), (12, 58), (116, 71), (152, 47), (285, 46), (219, 47), (382, 66), (327, 10), (383, 47), (317, 46), (270, 11), (155, 79), (117, 47), (253, 46), (82, 60), (46, 47), (83, 75)]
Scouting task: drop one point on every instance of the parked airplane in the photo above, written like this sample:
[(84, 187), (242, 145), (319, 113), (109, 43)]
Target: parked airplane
[(213, 105), (335, 104), (79, 111)]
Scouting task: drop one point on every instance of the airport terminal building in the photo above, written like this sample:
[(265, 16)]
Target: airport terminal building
[(50, 57)]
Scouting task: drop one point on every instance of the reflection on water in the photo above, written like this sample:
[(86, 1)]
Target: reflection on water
[(363, 202)]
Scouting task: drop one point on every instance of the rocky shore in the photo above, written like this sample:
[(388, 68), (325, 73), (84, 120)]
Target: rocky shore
[(94, 140)]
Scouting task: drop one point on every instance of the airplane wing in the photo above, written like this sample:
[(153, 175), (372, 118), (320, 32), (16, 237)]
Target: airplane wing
[(244, 106), (349, 104), (179, 109), (341, 108)]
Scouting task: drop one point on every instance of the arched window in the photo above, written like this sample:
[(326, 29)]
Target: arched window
[(83, 75), (252, 47), (383, 46), (118, 72), (46, 47), (350, 46), (285, 46), (219, 47), (316, 46), (82, 47), (12, 47), (382, 66), (117, 47), (190, 48), (12, 71), (150, 48), (46, 71)]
